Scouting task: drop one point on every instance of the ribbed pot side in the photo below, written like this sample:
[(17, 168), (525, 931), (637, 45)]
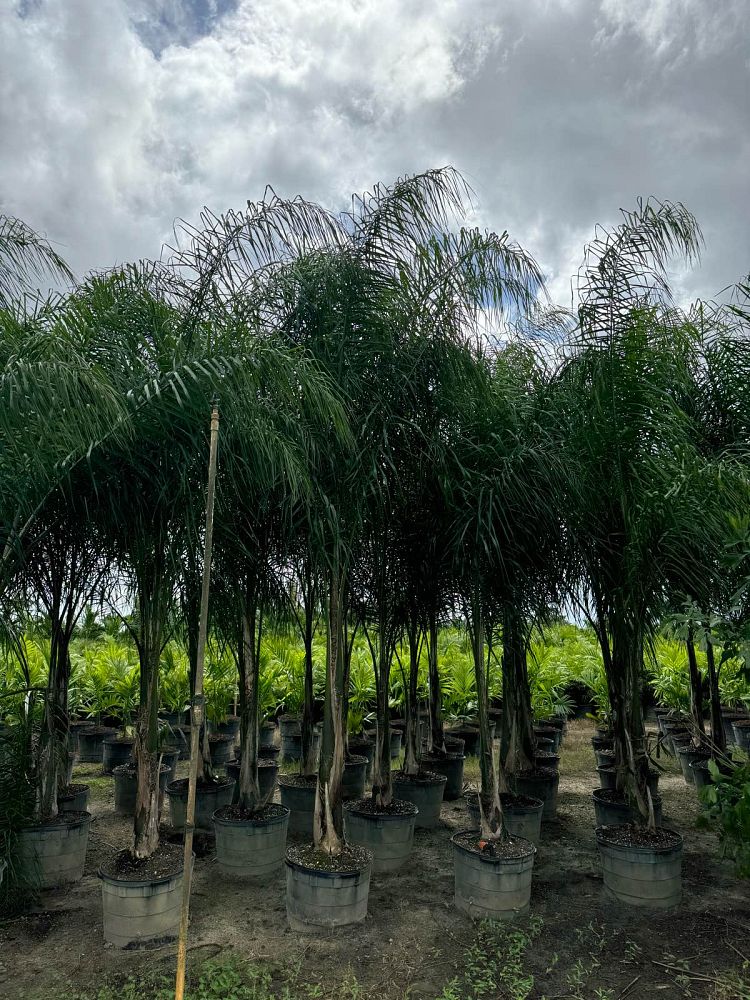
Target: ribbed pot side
[(251, 849), (492, 888), (55, 853), (642, 876), (426, 795), (322, 901), (207, 801), (390, 837), (141, 914)]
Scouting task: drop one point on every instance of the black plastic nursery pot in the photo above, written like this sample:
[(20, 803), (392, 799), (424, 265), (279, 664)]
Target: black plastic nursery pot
[(687, 755), (208, 798), (395, 741), (494, 886), (728, 718), (602, 743), (549, 733), (452, 766), (298, 795), (388, 834), (470, 736), (221, 747), (608, 778), (74, 729), (544, 745), (90, 743), (55, 851), (541, 783), (142, 912), (268, 771), (178, 738), (741, 734), (522, 815), (425, 791), (170, 758), (116, 750), (291, 742), (229, 727), (354, 777), (267, 734), (73, 798), (672, 728), (702, 775), (543, 758), (641, 867), (604, 758), (172, 718), (250, 845), (363, 747), (680, 738), (611, 808), (126, 786), (325, 893)]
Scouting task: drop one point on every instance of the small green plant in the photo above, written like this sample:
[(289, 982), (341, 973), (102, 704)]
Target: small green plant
[(728, 800)]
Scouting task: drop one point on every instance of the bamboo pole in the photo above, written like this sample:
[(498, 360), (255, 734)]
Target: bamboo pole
[(196, 710)]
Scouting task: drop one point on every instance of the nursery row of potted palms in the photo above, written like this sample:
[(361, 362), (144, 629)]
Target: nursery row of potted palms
[(384, 465)]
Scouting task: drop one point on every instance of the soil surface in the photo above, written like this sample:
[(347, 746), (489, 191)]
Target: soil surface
[(351, 859), (509, 848), (414, 942), (238, 814), (424, 777), (630, 835), (396, 807), (70, 791), (167, 860)]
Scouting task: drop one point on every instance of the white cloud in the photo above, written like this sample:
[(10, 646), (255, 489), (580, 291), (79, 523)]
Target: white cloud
[(116, 116)]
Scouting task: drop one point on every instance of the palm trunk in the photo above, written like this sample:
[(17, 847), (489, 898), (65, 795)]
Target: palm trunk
[(411, 734), (718, 737), (517, 726), (249, 793), (328, 821), (307, 763), (437, 734), (147, 757), (696, 685), (624, 681), (55, 725), (382, 787), (490, 810)]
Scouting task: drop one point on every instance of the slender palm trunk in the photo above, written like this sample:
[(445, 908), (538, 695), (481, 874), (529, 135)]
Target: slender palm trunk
[(718, 737), (411, 733), (624, 682), (382, 787), (696, 685), (55, 726), (490, 810), (328, 820), (437, 734), (147, 757), (308, 707), (249, 794), (517, 726)]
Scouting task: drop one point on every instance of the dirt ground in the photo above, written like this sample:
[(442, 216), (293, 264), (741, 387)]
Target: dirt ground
[(414, 942)]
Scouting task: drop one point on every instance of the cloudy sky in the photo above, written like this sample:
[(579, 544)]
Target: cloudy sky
[(119, 116)]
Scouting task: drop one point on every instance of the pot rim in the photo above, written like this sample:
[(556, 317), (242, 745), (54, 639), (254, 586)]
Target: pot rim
[(351, 806), (427, 779), (497, 862), (601, 838), (656, 798), (83, 819), (140, 883), (349, 874), (248, 823)]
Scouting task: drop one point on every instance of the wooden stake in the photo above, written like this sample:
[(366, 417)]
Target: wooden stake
[(196, 710)]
